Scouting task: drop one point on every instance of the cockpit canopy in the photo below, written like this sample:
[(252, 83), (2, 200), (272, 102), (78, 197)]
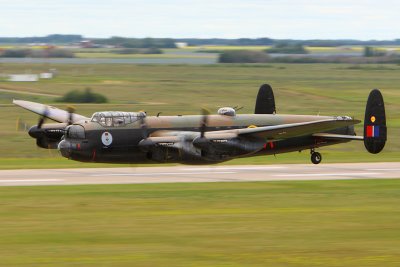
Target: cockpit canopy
[(116, 118)]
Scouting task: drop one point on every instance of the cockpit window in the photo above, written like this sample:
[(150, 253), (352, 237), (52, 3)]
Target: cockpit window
[(108, 121), (118, 121), (116, 118)]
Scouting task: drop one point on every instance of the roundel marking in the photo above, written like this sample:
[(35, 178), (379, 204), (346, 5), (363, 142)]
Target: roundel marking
[(373, 118), (106, 138), (252, 126)]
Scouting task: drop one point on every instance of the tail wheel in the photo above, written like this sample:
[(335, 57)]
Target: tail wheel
[(316, 157)]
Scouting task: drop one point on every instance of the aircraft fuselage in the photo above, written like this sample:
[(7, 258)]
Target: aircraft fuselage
[(121, 143)]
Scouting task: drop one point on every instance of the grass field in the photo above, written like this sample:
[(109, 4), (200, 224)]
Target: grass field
[(310, 49), (315, 223), (114, 55), (325, 89), (199, 51)]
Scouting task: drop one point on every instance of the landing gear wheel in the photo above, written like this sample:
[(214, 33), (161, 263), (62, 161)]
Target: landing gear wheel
[(316, 157)]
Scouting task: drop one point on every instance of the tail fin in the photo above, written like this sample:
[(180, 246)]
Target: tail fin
[(375, 131), (265, 103)]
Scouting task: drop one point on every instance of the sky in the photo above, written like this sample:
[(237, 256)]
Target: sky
[(301, 19)]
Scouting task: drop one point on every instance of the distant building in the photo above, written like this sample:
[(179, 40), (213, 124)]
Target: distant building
[(86, 44), (38, 44), (181, 44), (23, 77), (89, 44), (46, 75)]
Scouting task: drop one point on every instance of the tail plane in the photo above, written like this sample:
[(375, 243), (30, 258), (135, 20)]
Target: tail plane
[(375, 130)]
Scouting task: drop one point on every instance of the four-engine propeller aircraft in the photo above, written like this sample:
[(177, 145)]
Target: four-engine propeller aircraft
[(131, 137)]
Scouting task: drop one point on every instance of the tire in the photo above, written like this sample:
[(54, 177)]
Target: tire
[(316, 158)]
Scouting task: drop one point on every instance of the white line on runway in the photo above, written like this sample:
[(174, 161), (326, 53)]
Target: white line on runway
[(234, 168), (159, 173), (393, 169), (31, 180), (327, 174)]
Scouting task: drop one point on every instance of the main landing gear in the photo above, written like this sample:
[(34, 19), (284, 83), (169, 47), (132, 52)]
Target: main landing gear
[(316, 157)]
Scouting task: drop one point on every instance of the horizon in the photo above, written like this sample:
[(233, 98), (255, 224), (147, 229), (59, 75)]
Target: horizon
[(134, 37)]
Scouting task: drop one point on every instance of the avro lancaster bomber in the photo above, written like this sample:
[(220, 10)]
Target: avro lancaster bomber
[(135, 137)]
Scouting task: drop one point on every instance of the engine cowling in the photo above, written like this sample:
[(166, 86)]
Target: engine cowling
[(47, 143), (46, 137), (228, 147)]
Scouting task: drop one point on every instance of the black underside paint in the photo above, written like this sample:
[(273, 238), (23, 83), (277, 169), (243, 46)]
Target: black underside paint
[(125, 149)]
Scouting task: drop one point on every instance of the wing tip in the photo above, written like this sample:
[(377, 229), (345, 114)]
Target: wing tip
[(16, 101), (19, 100)]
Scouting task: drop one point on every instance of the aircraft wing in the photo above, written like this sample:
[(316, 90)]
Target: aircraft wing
[(50, 112), (276, 132), (284, 131)]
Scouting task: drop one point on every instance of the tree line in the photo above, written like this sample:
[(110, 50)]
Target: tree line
[(170, 42)]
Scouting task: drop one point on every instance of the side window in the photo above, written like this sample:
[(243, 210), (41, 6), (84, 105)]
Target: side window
[(102, 120), (127, 118), (95, 118), (118, 121), (109, 121)]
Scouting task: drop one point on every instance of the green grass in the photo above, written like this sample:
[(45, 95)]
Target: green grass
[(314, 223), (325, 89), (142, 56), (53, 160), (310, 49)]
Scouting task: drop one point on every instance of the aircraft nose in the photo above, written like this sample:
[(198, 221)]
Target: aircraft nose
[(65, 148)]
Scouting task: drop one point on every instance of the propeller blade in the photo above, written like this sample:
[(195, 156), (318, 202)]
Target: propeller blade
[(40, 122), (204, 121), (22, 125), (71, 111), (43, 117), (143, 126)]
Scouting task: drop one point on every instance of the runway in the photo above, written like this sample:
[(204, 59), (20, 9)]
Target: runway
[(188, 174)]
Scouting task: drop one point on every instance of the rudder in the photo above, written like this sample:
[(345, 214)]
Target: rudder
[(265, 103), (375, 131)]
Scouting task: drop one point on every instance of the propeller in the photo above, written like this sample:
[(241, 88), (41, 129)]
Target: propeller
[(190, 142), (38, 132), (143, 125), (204, 121), (50, 135), (22, 125), (71, 111), (43, 117)]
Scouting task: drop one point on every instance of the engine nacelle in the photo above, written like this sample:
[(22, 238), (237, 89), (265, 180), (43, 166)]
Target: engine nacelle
[(46, 137), (47, 143), (201, 148), (228, 147)]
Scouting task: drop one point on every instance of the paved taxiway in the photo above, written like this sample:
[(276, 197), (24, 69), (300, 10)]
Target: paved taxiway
[(183, 173)]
